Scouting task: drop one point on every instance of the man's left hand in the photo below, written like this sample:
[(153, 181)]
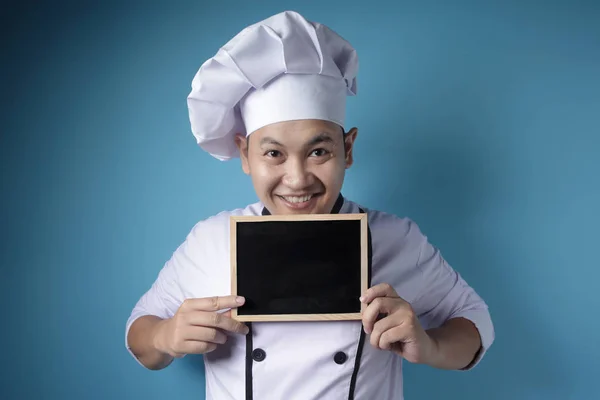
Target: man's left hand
[(399, 330)]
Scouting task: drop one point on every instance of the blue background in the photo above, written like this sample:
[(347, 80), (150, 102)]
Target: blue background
[(480, 120)]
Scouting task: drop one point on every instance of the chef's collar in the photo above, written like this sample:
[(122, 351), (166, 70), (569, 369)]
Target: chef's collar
[(335, 210)]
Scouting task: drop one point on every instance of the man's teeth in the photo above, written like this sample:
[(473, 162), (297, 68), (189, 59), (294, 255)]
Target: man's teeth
[(296, 199)]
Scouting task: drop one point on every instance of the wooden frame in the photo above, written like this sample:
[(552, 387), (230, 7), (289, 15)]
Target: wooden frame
[(362, 218)]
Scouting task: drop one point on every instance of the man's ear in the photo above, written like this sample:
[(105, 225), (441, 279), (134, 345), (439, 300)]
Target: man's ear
[(242, 144), (349, 139)]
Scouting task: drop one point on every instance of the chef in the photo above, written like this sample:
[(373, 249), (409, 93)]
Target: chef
[(275, 96)]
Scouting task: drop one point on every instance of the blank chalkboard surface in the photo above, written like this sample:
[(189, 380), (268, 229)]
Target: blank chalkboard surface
[(299, 267)]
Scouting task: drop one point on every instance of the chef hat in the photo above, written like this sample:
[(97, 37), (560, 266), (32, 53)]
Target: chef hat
[(281, 69)]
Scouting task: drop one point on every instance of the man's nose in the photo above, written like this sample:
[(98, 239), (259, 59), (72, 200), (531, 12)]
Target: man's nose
[(297, 176)]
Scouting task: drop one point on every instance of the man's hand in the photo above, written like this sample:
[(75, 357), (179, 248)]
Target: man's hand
[(399, 329), (197, 327)]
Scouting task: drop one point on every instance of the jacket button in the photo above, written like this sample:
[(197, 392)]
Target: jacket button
[(340, 357), (258, 355)]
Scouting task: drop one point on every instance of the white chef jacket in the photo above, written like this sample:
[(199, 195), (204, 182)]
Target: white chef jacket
[(323, 359)]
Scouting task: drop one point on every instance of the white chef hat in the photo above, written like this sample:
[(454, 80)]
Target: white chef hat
[(281, 69)]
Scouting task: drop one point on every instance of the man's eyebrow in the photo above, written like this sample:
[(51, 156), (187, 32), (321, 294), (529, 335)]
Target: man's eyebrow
[(270, 140), (320, 138)]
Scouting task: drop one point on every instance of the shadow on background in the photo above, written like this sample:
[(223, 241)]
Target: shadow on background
[(453, 182), (194, 365)]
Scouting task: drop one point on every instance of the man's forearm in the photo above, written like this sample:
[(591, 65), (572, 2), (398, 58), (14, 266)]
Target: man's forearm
[(140, 339), (457, 343)]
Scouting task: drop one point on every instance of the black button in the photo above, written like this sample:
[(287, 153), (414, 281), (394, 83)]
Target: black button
[(258, 355), (340, 357)]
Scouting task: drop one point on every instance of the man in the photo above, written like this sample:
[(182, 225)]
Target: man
[(275, 96)]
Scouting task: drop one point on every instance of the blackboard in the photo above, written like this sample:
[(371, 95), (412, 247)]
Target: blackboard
[(299, 267)]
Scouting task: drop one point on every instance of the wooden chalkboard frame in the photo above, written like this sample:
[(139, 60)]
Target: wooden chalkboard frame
[(364, 261)]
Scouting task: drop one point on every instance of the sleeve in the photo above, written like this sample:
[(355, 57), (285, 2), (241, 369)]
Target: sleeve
[(446, 295), (168, 291)]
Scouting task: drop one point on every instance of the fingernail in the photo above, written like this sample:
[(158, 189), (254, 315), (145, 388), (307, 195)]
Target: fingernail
[(362, 298), (239, 300)]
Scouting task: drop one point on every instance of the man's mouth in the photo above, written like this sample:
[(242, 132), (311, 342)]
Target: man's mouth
[(303, 202), (297, 199)]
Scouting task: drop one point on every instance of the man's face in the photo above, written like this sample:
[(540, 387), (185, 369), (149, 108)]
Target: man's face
[(297, 167)]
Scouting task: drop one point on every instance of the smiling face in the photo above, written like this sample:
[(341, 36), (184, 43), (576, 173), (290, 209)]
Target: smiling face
[(297, 167)]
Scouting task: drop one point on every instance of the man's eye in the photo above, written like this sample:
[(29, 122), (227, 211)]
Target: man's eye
[(319, 152), (272, 153)]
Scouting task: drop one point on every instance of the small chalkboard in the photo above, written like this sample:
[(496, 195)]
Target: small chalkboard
[(299, 267)]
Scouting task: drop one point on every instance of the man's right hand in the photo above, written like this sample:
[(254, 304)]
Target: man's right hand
[(197, 327)]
